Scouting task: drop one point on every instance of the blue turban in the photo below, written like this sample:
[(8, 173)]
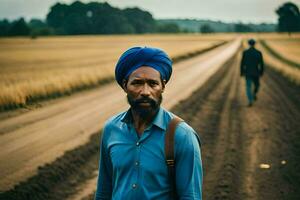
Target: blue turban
[(136, 57)]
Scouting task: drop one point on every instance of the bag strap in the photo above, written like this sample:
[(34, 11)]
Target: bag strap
[(169, 151)]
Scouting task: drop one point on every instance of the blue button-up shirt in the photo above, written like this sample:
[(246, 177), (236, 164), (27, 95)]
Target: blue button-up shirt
[(133, 167)]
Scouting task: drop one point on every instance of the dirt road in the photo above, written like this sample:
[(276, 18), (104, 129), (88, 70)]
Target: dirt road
[(32, 139)]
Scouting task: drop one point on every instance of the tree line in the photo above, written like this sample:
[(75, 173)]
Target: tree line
[(101, 18), (90, 18)]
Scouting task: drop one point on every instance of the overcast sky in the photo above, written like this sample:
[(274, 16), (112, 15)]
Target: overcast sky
[(255, 11)]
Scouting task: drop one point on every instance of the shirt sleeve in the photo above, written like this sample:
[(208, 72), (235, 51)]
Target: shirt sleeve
[(261, 64), (104, 184), (189, 174), (242, 67)]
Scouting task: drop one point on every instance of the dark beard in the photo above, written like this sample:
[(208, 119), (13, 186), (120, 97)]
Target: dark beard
[(142, 111)]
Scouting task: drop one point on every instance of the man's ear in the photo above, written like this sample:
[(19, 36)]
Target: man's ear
[(163, 85), (124, 85)]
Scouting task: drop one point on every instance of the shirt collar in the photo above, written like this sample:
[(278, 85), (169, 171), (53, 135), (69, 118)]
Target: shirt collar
[(158, 121), (127, 117)]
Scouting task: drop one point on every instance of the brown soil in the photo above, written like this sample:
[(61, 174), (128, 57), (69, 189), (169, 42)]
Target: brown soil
[(237, 139)]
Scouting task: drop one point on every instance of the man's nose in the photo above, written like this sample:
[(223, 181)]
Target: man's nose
[(145, 90)]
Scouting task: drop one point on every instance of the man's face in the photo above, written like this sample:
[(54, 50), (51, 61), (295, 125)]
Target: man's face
[(144, 90)]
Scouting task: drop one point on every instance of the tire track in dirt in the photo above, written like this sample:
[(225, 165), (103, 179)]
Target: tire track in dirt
[(276, 118), (228, 158), (215, 117), (220, 129)]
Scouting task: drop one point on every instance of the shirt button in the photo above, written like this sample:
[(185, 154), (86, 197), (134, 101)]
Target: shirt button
[(137, 144), (136, 163), (134, 186)]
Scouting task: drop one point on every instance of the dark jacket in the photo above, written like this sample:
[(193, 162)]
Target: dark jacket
[(252, 63)]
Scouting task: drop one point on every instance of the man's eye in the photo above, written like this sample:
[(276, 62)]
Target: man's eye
[(153, 83)]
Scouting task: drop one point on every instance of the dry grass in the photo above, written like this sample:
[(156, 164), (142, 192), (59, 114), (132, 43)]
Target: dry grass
[(45, 67), (288, 48), (291, 73)]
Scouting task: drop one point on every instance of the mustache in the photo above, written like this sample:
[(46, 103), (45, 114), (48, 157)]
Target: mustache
[(145, 100), (136, 103), (141, 110)]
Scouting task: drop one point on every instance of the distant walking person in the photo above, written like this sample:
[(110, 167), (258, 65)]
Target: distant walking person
[(147, 152), (252, 67)]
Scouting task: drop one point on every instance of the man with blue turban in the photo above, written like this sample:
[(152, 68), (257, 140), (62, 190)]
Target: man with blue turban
[(147, 152)]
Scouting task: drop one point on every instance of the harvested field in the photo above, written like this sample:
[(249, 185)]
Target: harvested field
[(287, 50), (283, 46), (31, 70), (287, 68), (248, 153)]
